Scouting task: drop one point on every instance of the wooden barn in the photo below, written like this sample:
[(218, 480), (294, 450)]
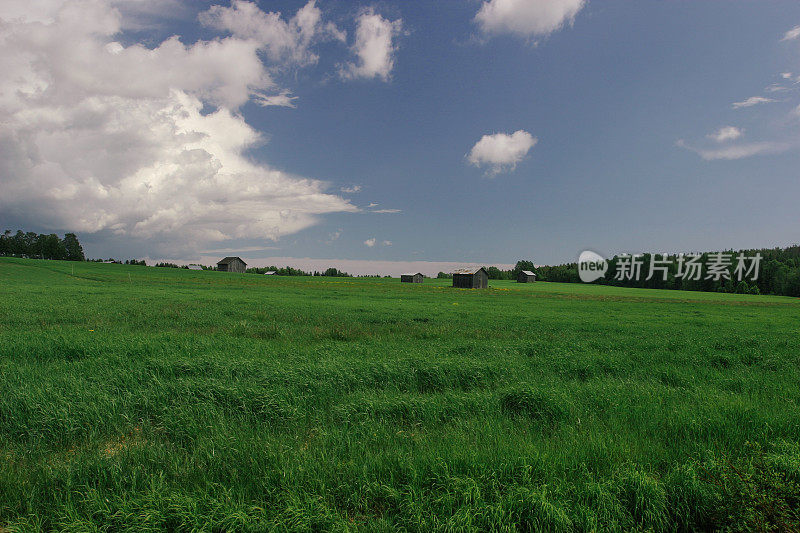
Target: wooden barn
[(526, 276), (414, 277), (194, 267), (471, 278), (232, 264), (269, 273)]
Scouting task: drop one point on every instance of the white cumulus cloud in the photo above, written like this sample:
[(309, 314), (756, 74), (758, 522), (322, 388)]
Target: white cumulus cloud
[(282, 40), (370, 242), (374, 47), (726, 133), (97, 135), (526, 18), (500, 151)]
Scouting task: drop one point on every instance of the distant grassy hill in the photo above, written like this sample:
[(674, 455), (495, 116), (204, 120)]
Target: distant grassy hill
[(139, 398)]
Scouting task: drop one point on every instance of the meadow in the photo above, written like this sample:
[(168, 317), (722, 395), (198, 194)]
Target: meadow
[(149, 399)]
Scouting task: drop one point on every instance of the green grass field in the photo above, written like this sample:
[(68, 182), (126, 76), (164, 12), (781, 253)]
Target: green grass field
[(135, 398)]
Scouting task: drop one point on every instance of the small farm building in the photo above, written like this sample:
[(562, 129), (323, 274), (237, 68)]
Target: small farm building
[(526, 276), (232, 264), (195, 267), (414, 277), (471, 278), (269, 273)]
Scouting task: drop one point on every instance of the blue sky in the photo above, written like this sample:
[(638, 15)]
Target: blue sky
[(643, 126)]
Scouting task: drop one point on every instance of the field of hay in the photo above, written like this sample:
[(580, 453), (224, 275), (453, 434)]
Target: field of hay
[(137, 398)]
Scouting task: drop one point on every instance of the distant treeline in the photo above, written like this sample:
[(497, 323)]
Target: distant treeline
[(778, 273), (167, 265), (283, 271), (289, 271), (41, 246)]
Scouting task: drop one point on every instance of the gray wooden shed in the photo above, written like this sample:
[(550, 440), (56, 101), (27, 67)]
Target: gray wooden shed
[(471, 278), (526, 276), (232, 264), (413, 277)]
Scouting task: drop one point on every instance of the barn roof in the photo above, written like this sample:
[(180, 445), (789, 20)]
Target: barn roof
[(269, 273), (528, 273), (411, 274), (195, 267), (229, 260), (468, 270)]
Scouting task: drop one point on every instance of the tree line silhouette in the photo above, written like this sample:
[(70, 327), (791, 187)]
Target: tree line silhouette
[(778, 273), (41, 246)]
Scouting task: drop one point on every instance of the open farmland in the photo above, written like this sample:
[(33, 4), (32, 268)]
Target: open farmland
[(153, 398)]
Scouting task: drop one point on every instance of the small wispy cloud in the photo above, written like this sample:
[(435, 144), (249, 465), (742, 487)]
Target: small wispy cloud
[(786, 75), (775, 88), (753, 100), (334, 236), (792, 34), (372, 241), (738, 151), (351, 190), (281, 100), (725, 134), (373, 205)]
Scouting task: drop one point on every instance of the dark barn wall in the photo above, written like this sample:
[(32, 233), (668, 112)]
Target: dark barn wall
[(462, 281), (478, 280), (234, 265), (416, 278), (237, 266), (524, 278)]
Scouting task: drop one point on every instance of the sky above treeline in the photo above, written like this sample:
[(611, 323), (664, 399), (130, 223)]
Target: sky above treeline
[(370, 135)]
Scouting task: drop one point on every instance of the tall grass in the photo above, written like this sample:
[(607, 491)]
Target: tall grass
[(145, 399)]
